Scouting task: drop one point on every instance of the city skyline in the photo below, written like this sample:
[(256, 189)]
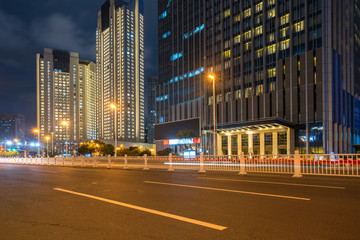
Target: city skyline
[(51, 20)]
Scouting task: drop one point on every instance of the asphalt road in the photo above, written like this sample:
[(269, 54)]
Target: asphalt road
[(41, 202)]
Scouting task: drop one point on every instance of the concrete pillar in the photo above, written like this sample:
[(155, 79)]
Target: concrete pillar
[(341, 140), (229, 145), (290, 140), (239, 144), (345, 139), (250, 143), (262, 143), (336, 139), (349, 150), (275, 143), (307, 143), (219, 145)]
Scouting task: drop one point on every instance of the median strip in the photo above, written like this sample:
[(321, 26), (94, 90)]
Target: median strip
[(229, 190), (156, 212)]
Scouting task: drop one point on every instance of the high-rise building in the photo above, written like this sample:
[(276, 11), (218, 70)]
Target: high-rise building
[(64, 91), (286, 73), (151, 89), (87, 100), (120, 70), (12, 126)]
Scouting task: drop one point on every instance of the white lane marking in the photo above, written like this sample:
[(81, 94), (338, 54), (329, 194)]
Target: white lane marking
[(164, 214), (279, 183), (43, 171), (229, 190)]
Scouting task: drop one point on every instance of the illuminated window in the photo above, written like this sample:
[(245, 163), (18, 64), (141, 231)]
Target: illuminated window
[(298, 27), (271, 49), (237, 18), (247, 35), (259, 53), (271, 73), (247, 13), (259, 89), (284, 44), (271, 37), (227, 13), (284, 19), (271, 2), (248, 92), (258, 31), (259, 7), (271, 13), (227, 54), (284, 31), (237, 39)]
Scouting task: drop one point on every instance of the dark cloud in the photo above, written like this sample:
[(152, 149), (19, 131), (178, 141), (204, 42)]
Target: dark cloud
[(61, 32), (13, 32), (37, 24)]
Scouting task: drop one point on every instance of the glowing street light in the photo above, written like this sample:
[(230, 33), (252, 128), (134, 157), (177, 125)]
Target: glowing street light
[(37, 131), (113, 106), (47, 138), (212, 77), (65, 124)]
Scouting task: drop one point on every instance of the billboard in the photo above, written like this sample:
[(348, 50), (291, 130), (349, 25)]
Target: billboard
[(164, 131)]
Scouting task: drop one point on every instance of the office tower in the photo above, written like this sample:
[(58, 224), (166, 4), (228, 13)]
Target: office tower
[(87, 100), (120, 70), (151, 89), (64, 89), (286, 73), (12, 126)]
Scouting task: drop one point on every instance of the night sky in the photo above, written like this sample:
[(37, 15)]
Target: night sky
[(27, 27)]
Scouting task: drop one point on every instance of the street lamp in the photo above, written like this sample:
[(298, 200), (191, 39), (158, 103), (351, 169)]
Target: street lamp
[(52, 143), (47, 145), (37, 131), (113, 106), (65, 124), (212, 77)]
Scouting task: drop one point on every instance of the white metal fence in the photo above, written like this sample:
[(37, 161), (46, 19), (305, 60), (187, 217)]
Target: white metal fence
[(294, 164)]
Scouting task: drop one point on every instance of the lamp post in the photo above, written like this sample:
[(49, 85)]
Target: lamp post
[(112, 106), (37, 131), (47, 145), (52, 143), (65, 124), (212, 77)]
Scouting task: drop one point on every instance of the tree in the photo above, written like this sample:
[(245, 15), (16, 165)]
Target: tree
[(85, 149), (107, 149), (165, 152), (133, 151), (186, 134)]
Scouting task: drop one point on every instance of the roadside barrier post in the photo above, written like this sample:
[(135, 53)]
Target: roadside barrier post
[(242, 164), (82, 161), (125, 162), (72, 161), (41, 160), (63, 162), (109, 162), (48, 161), (297, 165), (202, 169), (145, 161), (55, 161), (171, 169), (95, 162)]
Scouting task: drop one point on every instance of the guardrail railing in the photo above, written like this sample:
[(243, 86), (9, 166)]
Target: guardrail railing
[(294, 164)]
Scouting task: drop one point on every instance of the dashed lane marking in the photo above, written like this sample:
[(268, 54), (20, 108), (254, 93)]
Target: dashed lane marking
[(148, 210)]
